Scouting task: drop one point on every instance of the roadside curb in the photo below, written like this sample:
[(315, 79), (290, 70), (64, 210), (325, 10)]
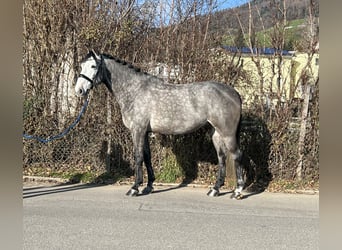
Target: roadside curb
[(53, 180), (160, 184), (40, 179)]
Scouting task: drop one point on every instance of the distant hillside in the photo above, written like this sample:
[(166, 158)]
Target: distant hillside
[(295, 9), (264, 12)]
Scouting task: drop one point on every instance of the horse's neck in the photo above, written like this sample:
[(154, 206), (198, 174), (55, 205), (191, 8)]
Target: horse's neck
[(124, 86)]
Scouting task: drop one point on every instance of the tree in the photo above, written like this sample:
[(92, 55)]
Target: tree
[(239, 40)]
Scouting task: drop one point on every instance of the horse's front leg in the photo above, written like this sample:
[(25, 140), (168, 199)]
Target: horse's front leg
[(150, 173), (138, 145)]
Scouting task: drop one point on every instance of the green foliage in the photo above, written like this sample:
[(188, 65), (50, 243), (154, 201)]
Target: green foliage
[(170, 171), (293, 36), (28, 108)]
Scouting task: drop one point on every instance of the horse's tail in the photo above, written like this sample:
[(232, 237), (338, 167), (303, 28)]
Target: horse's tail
[(238, 130)]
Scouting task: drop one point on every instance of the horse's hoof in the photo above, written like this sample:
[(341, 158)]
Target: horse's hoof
[(238, 196), (213, 193), (132, 192), (147, 190)]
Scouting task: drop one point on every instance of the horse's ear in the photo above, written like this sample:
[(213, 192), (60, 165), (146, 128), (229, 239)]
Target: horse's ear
[(94, 54)]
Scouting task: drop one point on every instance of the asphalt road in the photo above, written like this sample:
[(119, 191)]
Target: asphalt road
[(102, 217)]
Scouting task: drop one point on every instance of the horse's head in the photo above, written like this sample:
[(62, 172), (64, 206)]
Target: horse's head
[(93, 72)]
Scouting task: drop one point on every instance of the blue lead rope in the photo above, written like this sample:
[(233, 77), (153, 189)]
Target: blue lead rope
[(67, 130)]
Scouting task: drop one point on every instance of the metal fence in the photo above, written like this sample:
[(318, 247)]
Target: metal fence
[(101, 145)]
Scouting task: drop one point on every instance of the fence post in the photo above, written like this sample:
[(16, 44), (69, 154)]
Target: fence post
[(302, 132), (109, 140)]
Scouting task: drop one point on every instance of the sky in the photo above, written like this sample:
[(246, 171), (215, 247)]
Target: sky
[(221, 4), (163, 7), (225, 4)]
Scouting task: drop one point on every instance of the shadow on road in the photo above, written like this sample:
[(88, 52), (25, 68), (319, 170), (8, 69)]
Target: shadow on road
[(246, 194), (182, 185), (30, 192)]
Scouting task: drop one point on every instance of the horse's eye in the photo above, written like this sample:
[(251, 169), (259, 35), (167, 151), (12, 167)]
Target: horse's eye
[(93, 66)]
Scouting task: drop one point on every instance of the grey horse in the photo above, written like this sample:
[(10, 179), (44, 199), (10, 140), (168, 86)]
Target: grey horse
[(149, 105)]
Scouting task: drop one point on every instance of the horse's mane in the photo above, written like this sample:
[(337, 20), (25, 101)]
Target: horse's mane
[(123, 62)]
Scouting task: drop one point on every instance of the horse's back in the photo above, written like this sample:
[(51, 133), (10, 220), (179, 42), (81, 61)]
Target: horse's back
[(183, 108), (199, 89)]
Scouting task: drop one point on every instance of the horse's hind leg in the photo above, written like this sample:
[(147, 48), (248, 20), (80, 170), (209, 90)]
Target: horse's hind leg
[(147, 159), (232, 145), (221, 151)]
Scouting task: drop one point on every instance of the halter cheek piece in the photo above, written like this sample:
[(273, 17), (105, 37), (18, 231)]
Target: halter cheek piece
[(98, 64)]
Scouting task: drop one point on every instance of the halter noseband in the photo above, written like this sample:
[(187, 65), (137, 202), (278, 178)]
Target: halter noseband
[(87, 78)]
